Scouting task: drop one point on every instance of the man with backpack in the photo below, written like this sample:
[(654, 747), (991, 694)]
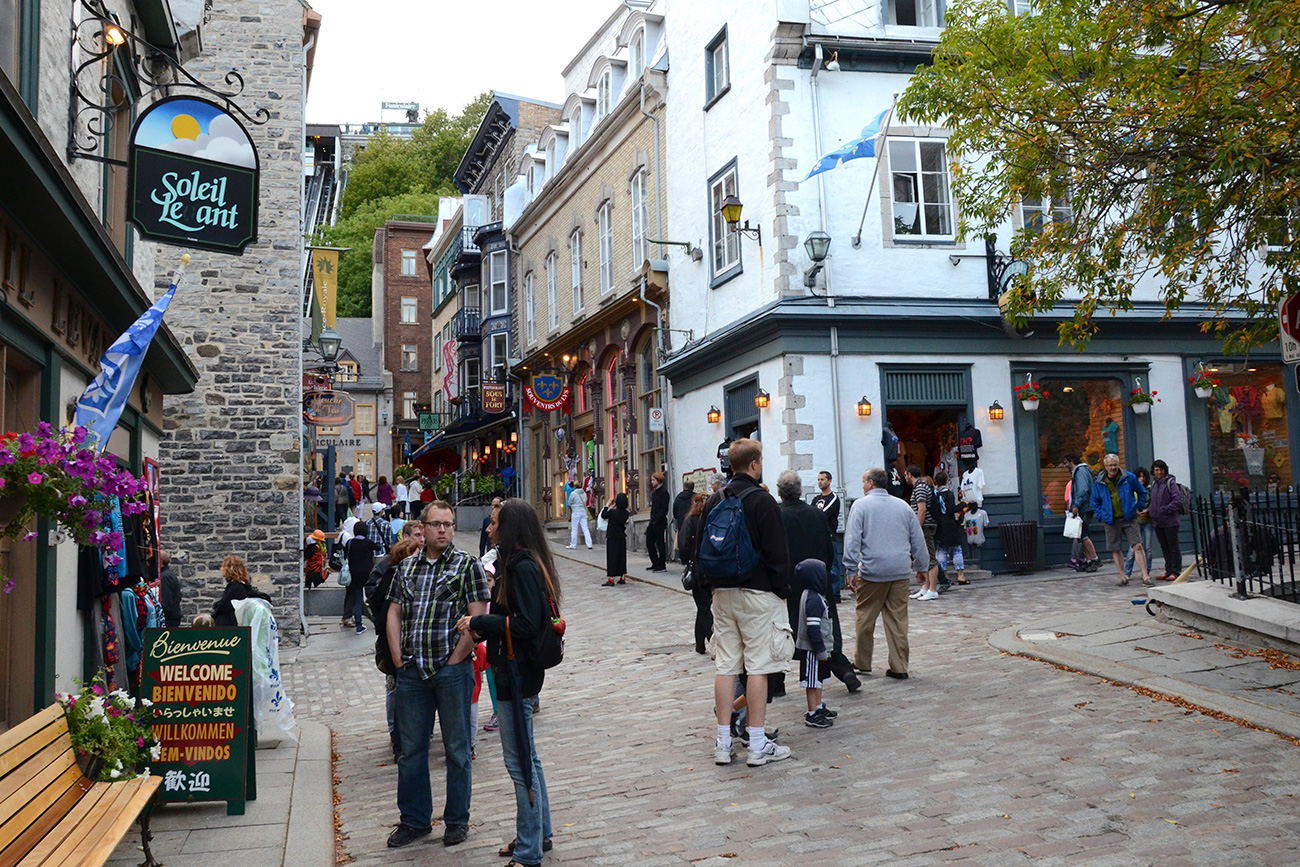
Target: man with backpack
[(1083, 554), (742, 556)]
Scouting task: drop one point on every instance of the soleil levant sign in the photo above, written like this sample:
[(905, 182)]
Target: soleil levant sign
[(193, 177)]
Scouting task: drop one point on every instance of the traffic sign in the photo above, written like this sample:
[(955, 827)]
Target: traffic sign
[(1288, 314), (657, 419)]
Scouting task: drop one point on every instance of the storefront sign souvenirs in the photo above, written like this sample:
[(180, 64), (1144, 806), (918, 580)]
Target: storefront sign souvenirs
[(198, 681), (327, 408), (546, 391), (193, 177), (494, 397)]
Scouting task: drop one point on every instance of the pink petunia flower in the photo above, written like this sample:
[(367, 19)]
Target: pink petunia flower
[(35, 478)]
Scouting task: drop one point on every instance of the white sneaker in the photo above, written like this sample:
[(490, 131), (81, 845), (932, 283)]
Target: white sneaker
[(917, 594), (721, 754), (769, 753), (927, 596)]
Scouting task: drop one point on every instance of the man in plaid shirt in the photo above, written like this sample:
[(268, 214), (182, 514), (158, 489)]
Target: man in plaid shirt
[(379, 530), (435, 674)]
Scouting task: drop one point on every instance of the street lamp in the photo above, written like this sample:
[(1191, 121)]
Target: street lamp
[(817, 245), (731, 208), (762, 399), (995, 411), (329, 342)]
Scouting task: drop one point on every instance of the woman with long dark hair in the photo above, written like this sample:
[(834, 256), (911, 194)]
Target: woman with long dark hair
[(360, 552), (616, 516), (701, 593), (526, 585)]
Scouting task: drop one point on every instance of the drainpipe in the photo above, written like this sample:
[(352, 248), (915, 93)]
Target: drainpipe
[(659, 223), (836, 415)]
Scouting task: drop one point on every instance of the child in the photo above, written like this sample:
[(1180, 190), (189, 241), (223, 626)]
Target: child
[(814, 670), (949, 533), (480, 666)]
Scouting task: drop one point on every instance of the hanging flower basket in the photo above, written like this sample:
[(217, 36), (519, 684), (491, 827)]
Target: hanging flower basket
[(1203, 384), (54, 476), (1030, 405), (1141, 408), (1141, 400), (1029, 395)]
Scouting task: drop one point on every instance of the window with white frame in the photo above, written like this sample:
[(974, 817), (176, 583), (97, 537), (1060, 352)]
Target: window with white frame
[(364, 420), (919, 13), (605, 239), (473, 367), (575, 129), (1281, 230), (437, 352), (410, 357), (551, 165), (717, 73), (636, 54), (1037, 211), (409, 308), (498, 355), (1023, 7), (724, 243), (408, 404), (604, 94), (922, 202), (552, 299), (500, 301), (640, 219), (408, 263), (530, 305), (575, 268)]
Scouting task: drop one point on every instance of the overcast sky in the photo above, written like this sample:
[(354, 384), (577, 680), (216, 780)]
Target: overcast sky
[(442, 53)]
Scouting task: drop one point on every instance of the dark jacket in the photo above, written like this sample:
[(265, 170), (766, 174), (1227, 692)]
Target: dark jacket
[(763, 517), (376, 593), (806, 538), (223, 613), (1166, 504), (659, 507), (169, 593), (682, 505), (686, 539), (811, 617), (522, 596)]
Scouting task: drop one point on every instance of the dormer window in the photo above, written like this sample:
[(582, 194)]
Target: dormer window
[(604, 94), (575, 129), (550, 159), (915, 13), (636, 54)]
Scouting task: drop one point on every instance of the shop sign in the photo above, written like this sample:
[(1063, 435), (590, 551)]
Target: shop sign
[(546, 391), (1288, 314), (400, 106), (198, 681), (494, 398), (340, 442), (192, 177), (327, 408), (430, 421)]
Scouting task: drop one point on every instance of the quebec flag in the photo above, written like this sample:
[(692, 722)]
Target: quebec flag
[(864, 146), (101, 404)]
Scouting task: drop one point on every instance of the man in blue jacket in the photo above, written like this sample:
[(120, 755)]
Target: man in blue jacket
[(1117, 497)]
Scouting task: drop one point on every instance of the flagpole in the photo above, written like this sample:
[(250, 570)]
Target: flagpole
[(884, 135)]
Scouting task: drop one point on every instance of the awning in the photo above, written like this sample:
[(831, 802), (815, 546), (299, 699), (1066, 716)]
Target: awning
[(459, 432), (436, 462)]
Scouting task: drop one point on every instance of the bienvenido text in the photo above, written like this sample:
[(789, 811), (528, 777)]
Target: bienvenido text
[(182, 193)]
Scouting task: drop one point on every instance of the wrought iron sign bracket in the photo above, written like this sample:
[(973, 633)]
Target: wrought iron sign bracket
[(112, 68)]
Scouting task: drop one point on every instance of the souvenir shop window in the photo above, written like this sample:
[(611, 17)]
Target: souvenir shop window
[(1249, 443), (1084, 417)]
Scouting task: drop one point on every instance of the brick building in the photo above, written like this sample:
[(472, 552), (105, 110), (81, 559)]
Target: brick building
[(401, 299), (589, 307)]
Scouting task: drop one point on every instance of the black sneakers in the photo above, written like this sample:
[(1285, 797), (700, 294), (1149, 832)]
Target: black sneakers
[(405, 835), (455, 834)]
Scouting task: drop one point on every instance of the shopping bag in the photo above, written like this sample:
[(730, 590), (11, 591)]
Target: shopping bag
[(1073, 527)]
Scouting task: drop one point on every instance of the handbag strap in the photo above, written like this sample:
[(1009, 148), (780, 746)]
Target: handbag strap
[(510, 645)]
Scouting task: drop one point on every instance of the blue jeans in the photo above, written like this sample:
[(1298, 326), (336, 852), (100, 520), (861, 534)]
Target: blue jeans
[(532, 821), (447, 694), (837, 566), (1146, 530)]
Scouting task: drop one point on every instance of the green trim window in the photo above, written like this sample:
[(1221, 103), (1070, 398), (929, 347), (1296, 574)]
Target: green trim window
[(20, 37), (1083, 417)]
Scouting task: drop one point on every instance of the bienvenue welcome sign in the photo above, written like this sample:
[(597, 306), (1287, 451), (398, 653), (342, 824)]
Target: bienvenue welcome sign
[(193, 176)]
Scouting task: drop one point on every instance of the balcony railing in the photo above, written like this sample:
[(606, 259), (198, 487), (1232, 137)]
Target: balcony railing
[(468, 322)]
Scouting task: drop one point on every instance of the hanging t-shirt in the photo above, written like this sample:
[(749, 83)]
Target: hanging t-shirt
[(974, 524), (889, 440), (1274, 402), (969, 443), (1110, 437), (972, 486)]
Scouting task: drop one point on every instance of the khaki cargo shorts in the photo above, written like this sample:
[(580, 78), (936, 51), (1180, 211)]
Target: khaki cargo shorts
[(751, 632)]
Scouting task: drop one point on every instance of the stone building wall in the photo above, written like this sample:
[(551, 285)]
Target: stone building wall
[(231, 460)]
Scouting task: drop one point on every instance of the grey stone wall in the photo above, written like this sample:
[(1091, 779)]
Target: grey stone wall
[(231, 465)]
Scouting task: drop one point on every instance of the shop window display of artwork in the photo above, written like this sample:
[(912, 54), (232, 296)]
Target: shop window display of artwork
[(1249, 443), (1082, 417)]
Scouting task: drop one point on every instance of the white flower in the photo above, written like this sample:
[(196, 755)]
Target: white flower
[(115, 773), (146, 770), (121, 695), (96, 707), (155, 753), (146, 702)]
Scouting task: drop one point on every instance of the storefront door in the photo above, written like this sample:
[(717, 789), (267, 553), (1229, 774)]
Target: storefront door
[(19, 411)]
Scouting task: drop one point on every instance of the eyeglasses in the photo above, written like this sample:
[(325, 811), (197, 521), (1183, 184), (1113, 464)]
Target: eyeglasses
[(439, 525)]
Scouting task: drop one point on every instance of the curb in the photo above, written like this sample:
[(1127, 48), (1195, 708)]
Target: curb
[(1265, 718), (309, 841)]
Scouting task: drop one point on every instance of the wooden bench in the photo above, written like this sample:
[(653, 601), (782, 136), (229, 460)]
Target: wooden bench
[(50, 814)]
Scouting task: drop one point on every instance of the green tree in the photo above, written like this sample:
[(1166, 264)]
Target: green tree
[(396, 176), (1169, 126)]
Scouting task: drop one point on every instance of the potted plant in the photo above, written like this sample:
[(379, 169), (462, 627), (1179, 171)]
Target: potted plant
[(54, 476), (112, 734), (1203, 384), (1141, 400), (1029, 395)]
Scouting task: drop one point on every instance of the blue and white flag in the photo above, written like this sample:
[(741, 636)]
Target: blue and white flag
[(101, 404), (864, 146)]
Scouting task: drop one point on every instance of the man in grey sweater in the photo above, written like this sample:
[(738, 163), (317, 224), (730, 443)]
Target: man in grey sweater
[(883, 548)]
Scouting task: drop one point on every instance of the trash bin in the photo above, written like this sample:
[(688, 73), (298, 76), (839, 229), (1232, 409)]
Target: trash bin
[(1020, 544)]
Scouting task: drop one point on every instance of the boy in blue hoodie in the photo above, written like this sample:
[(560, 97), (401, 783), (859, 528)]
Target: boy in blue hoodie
[(810, 645)]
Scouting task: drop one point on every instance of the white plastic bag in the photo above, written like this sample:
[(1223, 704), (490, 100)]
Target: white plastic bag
[(271, 707), (1073, 527)]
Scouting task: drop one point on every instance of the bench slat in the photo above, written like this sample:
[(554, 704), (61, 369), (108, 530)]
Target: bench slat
[(39, 730), (57, 754), (18, 821), (108, 822), (35, 844)]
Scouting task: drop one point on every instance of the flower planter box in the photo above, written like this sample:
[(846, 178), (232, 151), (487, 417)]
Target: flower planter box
[(1204, 393)]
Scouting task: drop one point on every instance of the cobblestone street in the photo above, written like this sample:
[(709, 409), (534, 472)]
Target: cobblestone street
[(980, 757)]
